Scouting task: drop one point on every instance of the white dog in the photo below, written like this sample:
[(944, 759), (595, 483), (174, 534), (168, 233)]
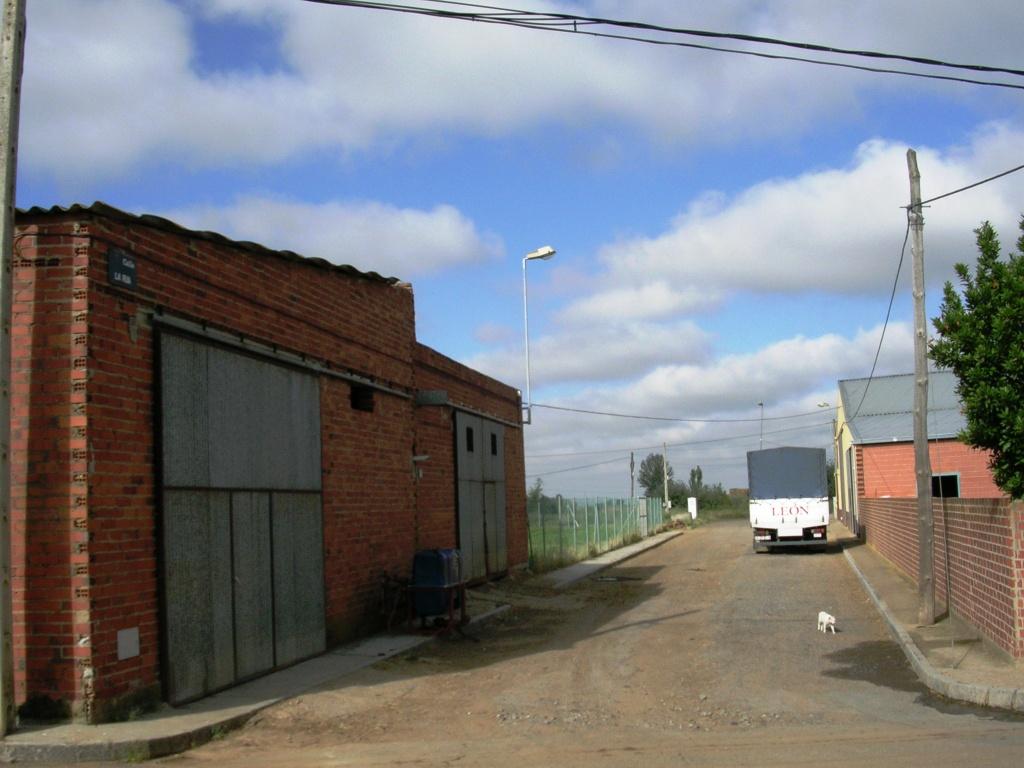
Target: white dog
[(826, 621)]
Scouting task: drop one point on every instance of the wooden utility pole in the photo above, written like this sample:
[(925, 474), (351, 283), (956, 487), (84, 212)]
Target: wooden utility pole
[(922, 462), (12, 54)]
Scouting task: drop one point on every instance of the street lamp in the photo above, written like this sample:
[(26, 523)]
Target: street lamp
[(543, 253), (760, 404)]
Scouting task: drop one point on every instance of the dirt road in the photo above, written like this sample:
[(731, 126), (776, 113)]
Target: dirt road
[(697, 653)]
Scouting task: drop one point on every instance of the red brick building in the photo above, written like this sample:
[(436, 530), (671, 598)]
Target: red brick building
[(874, 441), (887, 470), (978, 533), (217, 451)]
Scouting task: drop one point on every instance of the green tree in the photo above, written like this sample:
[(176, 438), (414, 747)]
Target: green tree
[(713, 497), (652, 478), (696, 481), (535, 494), (830, 477), (981, 339)]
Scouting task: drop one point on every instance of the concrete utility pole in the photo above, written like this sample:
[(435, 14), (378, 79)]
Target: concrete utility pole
[(12, 54), (632, 477), (922, 462)]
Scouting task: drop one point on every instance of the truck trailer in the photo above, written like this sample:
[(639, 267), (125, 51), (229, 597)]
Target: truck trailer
[(788, 498)]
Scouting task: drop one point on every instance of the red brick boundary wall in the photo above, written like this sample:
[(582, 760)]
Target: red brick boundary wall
[(985, 545)]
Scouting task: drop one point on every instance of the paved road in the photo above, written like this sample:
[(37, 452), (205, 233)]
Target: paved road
[(697, 653)]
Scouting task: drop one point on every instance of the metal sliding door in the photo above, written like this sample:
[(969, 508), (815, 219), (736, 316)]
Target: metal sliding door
[(494, 495), (298, 577), (198, 612), (242, 537), (469, 474), (480, 470)]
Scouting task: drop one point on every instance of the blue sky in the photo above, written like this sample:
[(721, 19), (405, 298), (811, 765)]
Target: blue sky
[(727, 227)]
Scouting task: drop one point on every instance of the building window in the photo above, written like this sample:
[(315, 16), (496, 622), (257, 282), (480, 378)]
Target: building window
[(361, 398), (494, 444), (946, 486), (469, 439)]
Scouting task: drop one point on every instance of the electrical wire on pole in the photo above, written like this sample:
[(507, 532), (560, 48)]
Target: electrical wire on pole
[(660, 35)]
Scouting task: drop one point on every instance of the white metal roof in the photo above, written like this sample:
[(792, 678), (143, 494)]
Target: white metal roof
[(880, 410)]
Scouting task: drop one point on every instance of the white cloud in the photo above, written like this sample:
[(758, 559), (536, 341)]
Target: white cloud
[(790, 376), (609, 351), (368, 235), (652, 300), (833, 230), (110, 84), (777, 373)]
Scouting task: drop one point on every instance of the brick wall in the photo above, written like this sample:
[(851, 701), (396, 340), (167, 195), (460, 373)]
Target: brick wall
[(986, 558), (890, 527), (888, 469), (435, 488), (1017, 527), (84, 415), (368, 504), (44, 538)]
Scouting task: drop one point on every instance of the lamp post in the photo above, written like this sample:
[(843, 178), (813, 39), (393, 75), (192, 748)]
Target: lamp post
[(760, 404), (543, 253)]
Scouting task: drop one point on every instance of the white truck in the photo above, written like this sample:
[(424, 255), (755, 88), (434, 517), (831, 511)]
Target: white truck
[(788, 498)]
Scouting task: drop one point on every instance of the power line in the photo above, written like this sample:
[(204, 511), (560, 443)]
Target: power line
[(885, 325), (576, 469), (688, 444), (571, 23), (903, 252), (878, 350), (620, 449), (670, 418), (564, 18), (625, 457), (964, 189)]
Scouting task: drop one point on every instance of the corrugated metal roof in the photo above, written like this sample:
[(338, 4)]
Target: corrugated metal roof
[(886, 414), (156, 222)]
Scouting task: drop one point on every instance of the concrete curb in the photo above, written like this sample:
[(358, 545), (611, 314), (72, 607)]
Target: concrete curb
[(124, 750), (578, 571), (134, 749), (988, 696)]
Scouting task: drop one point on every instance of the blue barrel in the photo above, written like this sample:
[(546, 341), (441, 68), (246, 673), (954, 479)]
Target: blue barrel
[(432, 571)]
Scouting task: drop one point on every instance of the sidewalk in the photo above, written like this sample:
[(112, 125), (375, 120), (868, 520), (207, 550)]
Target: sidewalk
[(175, 729), (950, 657), (569, 575)]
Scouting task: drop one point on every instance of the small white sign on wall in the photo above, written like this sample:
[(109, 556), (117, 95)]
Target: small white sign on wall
[(128, 643)]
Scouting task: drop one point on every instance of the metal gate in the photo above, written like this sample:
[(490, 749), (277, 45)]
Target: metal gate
[(480, 468), (242, 532)]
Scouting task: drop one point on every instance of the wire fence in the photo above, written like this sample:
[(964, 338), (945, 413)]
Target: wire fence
[(566, 530)]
